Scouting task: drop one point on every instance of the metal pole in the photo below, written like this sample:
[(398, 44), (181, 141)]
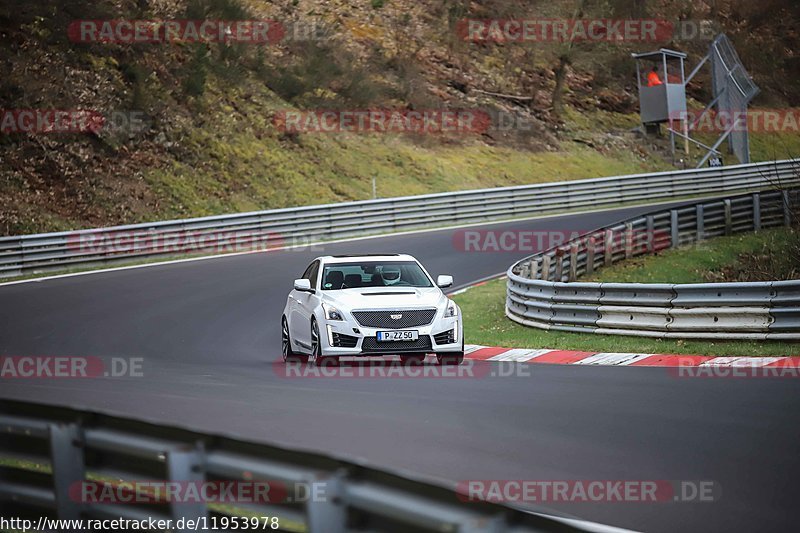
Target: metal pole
[(686, 135), (674, 227), (697, 68)]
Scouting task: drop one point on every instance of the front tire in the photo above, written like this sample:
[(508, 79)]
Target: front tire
[(316, 358), (412, 360), (455, 358), (451, 359)]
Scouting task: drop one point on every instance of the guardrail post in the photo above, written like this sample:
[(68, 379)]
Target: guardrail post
[(513, 201), (21, 256), (628, 240), (66, 456), (525, 271), (674, 228), (328, 512), (186, 466), (590, 255), (546, 267), (608, 251), (651, 234), (728, 223), (573, 262), (756, 212), (534, 268), (787, 212), (701, 222), (559, 264)]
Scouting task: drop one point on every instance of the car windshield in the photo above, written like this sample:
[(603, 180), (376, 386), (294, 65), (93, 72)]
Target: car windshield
[(374, 274)]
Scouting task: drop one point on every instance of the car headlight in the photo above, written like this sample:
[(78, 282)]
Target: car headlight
[(331, 313), (451, 310)]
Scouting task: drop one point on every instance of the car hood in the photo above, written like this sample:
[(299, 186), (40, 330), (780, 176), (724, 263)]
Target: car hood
[(386, 298)]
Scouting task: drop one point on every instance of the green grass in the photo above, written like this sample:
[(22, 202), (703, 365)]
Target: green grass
[(343, 169), (236, 160), (764, 146), (25, 464), (703, 262), (485, 323), (772, 146), (484, 306)]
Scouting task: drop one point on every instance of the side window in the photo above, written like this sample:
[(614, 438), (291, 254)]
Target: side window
[(312, 277), (307, 273)]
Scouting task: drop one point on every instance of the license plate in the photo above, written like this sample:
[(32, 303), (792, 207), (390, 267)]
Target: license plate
[(400, 335)]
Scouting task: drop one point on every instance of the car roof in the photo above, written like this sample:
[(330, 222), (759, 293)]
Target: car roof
[(332, 259)]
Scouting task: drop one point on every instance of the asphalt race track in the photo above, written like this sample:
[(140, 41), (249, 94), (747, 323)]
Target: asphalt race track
[(209, 332)]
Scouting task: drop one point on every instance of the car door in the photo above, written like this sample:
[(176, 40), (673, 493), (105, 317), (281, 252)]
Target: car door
[(303, 306)]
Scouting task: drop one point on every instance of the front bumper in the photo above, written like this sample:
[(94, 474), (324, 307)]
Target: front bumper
[(336, 331)]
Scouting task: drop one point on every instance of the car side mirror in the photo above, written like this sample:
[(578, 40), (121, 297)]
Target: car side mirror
[(444, 281), (303, 285)]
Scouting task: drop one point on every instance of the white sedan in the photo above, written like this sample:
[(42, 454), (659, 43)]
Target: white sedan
[(370, 305)]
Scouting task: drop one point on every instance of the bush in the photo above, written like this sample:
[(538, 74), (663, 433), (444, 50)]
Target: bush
[(322, 76), (194, 84), (135, 76)]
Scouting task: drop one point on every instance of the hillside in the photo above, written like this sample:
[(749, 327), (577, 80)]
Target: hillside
[(197, 130)]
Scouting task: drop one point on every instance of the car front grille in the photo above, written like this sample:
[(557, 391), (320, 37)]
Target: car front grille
[(371, 344), (408, 318)]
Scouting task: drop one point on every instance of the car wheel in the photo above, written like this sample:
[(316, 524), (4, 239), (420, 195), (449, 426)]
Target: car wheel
[(413, 360), (289, 356), (316, 358), (450, 358)]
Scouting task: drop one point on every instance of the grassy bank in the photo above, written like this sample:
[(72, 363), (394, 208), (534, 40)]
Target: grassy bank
[(485, 323), (238, 161), (765, 255)]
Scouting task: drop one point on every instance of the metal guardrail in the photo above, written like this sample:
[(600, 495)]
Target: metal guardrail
[(542, 292), (269, 229), (48, 452)]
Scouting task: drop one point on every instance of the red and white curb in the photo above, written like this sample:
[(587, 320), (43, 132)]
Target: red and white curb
[(475, 352)]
